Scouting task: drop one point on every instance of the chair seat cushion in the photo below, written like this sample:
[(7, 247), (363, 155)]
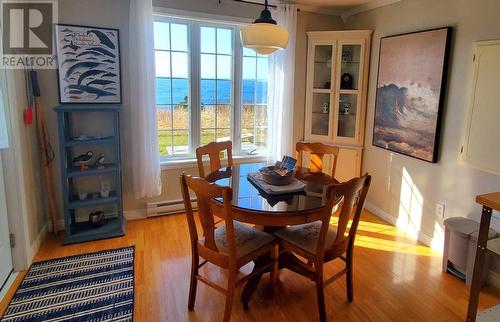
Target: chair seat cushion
[(306, 236), (247, 239)]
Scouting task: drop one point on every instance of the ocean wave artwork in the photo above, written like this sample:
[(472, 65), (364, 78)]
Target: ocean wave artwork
[(88, 64), (410, 90)]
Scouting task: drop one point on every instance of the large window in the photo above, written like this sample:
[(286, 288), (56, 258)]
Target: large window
[(208, 88)]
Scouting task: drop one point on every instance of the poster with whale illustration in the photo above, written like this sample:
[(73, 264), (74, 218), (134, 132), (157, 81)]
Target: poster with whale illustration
[(88, 61)]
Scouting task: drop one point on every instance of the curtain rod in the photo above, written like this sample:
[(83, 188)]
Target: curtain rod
[(256, 3)]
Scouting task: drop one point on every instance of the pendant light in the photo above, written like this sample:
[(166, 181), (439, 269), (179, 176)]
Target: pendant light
[(264, 35)]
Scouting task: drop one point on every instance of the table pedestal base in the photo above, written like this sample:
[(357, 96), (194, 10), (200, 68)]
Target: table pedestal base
[(286, 260)]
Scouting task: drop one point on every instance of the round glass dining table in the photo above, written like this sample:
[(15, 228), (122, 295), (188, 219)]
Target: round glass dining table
[(250, 204), (253, 205)]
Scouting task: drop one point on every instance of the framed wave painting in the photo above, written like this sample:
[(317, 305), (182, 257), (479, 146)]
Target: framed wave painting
[(410, 92), (88, 60)]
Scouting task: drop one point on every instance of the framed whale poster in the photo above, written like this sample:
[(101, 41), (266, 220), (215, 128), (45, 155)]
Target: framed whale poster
[(88, 60)]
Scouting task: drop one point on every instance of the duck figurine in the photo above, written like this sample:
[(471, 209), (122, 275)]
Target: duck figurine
[(99, 163), (84, 159)]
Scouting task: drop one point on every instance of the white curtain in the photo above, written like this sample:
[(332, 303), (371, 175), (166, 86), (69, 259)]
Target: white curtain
[(146, 168), (281, 88)]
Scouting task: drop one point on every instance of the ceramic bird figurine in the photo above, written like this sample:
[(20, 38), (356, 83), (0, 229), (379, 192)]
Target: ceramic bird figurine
[(84, 159), (99, 163)]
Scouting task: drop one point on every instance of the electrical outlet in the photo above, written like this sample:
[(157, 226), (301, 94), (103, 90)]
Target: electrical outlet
[(440, 210)]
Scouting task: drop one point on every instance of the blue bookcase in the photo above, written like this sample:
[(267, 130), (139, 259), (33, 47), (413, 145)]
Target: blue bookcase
[(86, 127)]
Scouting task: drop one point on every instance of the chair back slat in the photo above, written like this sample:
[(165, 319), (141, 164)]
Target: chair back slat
[(353, 194), (214, 150), (352, 203), (205, 193), (317, 153)]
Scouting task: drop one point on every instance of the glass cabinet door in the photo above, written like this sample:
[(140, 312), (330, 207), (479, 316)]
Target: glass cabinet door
[(320, 118), (348, 85), (322, 78), (320, 96)]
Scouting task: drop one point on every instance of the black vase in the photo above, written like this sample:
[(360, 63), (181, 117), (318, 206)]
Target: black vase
[(96, 219)]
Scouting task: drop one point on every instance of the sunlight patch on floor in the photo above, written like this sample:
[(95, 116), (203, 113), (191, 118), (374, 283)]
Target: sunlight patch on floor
[(403, 243), (394, 246)]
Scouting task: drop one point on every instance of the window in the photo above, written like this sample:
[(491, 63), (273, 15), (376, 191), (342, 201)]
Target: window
[(208, 88), (254, 101), (216, 64), (172, 87)]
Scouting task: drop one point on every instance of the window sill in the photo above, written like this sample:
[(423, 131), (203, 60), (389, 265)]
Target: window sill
[(192, 163)]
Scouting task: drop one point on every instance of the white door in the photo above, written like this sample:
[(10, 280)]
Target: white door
[(5, 253)]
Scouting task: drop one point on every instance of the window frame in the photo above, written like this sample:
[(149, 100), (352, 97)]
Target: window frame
[(194, 25)]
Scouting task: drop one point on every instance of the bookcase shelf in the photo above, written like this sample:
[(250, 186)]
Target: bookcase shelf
[(90, 142), (77, 227), (92, 170)]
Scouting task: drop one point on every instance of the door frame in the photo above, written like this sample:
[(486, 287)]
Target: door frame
[(14, 175)]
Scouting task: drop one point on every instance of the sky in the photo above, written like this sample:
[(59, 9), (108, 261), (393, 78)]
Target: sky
[(216, 46)]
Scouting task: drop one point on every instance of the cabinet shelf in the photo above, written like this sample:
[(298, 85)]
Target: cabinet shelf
[(322, 90), (90, 202), (349, 91), (103, 141), (92, 170), (83, 231)]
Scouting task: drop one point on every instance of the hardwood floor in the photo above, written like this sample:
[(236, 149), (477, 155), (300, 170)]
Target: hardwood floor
[(395, 279)]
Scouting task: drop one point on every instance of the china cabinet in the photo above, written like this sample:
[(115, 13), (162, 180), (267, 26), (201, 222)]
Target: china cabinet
[(337, 75)]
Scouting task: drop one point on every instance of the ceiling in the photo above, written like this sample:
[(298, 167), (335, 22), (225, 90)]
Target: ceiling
[(344, 8), (333, 3)]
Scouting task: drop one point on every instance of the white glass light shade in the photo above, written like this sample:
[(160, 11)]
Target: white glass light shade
[(264, 38)]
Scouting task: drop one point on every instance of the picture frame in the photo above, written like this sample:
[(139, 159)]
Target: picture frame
[(89, 64), (411, 81)]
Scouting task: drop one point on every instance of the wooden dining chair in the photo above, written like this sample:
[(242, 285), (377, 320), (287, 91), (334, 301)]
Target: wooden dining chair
[(317, 151), (319, 243), (229, 246), (214, 151)]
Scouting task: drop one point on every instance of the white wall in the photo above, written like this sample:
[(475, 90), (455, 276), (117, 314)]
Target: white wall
[(449, 181)]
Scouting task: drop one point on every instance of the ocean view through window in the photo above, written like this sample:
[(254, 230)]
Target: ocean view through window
[(208, 88)]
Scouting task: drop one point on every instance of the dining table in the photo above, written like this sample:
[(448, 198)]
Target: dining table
[(271, 212)]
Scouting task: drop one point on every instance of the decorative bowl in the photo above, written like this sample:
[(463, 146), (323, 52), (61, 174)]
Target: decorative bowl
[(272, 178)]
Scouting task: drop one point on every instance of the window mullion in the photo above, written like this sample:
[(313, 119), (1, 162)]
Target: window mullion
[(195, 84), (237, 91)]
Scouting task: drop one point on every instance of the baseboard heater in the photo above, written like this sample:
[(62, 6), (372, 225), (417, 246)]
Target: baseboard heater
[(168, 207)]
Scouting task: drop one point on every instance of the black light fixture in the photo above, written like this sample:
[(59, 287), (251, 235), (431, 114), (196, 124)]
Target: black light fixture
[(264, 35)]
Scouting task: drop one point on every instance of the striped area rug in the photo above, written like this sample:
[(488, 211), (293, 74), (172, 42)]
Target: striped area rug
[(90, 287)]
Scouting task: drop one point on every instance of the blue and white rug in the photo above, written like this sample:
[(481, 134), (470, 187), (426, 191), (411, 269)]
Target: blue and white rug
[(90, 287)]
